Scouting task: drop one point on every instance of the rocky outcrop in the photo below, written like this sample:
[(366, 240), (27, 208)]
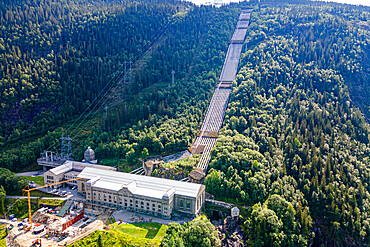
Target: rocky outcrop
[(231, 233)]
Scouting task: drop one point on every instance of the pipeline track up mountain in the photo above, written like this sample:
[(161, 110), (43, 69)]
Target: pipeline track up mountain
[(214, 117)]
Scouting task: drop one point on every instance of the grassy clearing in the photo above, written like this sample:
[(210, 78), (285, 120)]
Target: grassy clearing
[(19, 208), (140, 234), (3, 234), (112, 220), (144, 230), (37, 180), (49, 202)]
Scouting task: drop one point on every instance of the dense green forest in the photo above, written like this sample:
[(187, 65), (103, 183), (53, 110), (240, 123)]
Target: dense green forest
[(293, 143), (163, 117), (59, 57), (294, 148)]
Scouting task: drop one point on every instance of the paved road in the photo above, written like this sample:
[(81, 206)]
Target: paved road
[(220, 203), (73, 195), (39, 173), (125, 216)]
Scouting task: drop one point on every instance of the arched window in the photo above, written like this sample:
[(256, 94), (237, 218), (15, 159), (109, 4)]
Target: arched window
[(188, 205), (181, 204)]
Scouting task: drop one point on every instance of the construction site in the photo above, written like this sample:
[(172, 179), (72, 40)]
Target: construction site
[(56, 227)]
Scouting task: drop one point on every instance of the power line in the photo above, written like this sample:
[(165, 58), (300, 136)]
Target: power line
[(157, 35)]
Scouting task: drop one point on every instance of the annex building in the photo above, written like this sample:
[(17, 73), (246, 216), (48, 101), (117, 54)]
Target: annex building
[(150, 195), (69, 170)]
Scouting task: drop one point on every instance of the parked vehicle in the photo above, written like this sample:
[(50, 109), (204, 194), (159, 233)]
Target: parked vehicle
[(38, 228)]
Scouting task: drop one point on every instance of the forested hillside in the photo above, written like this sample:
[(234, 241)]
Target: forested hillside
[(294, 144), (58, 57), (163, 118)]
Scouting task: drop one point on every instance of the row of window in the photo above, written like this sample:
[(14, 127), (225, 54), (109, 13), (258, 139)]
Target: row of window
[(182, 204), (155, 207), (114, 198)]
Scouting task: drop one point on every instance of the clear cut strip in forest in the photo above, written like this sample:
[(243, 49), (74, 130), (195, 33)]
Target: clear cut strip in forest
[(212, 122)]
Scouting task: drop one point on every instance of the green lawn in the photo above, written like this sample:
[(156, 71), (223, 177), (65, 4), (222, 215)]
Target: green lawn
[(49, 201), (19, 208), (3, 232), (37, 180), (137, 235), (144, 230)]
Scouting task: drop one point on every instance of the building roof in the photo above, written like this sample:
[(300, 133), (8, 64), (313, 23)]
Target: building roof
[(72, 173), (141, 185), (66, 167), (197, 174), (153, 193), (235, 209), (79, 166), (105, 184), (70, 165)]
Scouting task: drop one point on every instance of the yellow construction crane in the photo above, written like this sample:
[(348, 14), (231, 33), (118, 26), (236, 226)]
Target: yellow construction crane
[(27, 190)]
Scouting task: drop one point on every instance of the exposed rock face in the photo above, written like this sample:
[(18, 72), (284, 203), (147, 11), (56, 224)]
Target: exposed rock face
[(231, 234)]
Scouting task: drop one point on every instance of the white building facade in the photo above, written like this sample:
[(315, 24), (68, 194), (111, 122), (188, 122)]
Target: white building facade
[(150, 195)]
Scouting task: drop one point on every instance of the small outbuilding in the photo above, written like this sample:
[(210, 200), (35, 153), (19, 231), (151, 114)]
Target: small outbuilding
[(235, 212)]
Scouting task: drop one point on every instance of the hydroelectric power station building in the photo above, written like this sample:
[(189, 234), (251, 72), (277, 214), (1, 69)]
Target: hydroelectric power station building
[(104, 187), (150, 195)]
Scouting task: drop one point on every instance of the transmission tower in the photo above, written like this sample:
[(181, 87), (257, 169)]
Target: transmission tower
[(129, 77), (173, 77), (105, 117), (130, 71), (66, 150), (124, 74)]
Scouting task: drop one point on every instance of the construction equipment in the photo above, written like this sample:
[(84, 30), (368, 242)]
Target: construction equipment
[(37, 242), (27, 190)]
